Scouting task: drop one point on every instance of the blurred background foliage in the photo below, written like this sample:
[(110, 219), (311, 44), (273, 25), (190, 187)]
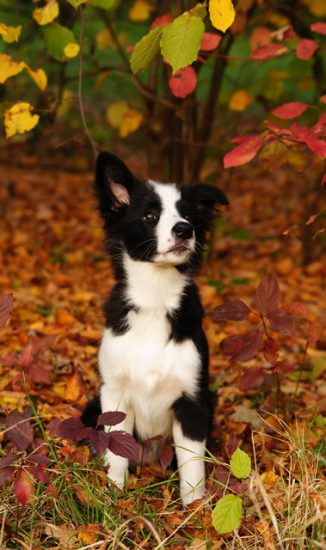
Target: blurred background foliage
[(233, 95)]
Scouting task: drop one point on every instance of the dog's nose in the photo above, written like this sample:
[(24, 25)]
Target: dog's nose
[(182, 230)]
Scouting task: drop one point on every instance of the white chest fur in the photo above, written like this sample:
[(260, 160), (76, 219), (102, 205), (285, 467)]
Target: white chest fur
[(144, 368)]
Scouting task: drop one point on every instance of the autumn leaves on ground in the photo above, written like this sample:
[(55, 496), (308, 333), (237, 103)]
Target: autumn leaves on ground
[(268, 374)]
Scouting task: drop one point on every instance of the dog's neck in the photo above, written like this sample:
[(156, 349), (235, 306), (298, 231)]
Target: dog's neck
[(153, 286)]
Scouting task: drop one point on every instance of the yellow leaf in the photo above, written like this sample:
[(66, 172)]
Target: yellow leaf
[(140, 11), (222, 14), (48, 13), (10, 34), (71, 50), (240, 100), (38, 76), (103, 39), (9, 67), (115, 112), (19, 119), (316, 7), (131, 121)]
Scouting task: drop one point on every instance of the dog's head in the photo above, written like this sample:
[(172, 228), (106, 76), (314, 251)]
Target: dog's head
[(160, 223)]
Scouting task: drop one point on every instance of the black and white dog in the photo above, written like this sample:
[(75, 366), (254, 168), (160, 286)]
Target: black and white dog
[(153, 358)]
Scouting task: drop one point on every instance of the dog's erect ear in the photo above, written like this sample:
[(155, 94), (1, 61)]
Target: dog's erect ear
[(205, 199), (114, 183), (207, 196)]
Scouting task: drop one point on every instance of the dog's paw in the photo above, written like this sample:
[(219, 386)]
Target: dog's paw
[(189, 494)]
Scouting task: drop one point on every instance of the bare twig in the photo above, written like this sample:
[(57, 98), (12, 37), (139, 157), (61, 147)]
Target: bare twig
[(80, 84)]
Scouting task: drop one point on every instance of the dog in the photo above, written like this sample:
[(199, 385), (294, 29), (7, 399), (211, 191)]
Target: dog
[(153, 358)]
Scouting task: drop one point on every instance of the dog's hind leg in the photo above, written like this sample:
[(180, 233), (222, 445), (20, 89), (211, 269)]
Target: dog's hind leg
[(114, 401)]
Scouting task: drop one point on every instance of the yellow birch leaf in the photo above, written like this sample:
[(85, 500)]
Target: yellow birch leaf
[(71, 50), (10, 34), (47, 14), (140, 11), (19, 119), (103, 39), (222, 14), (316, 7), (9, 67), (130, 122), (240, 100), (115, 112), (38, 76)]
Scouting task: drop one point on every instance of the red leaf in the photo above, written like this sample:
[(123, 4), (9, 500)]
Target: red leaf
[(245, 152), (251, 378), (111, 418), (319, 27), (210, 41), (235, 310), (26, 357), (271, 348), (269, 51), (232, 345), (7, 460), (183, 82), (99, 439), (166, 456), (53, 427), (268, 295), (284, 33), (39, 459), (161, 20), (6, 476), (260, 37), (23, 487), (281, 321), (323, 181), (282, 367), (242, 347), (323, 98), (21, 432), (306, 48), (317, 146), (6, 307), (40, 474), (72, 428), (40, 373), (123, 444), (322, 119), (231, 444), (253, 343), (290, 110)]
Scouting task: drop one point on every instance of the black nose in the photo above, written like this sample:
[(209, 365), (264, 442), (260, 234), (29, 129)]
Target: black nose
[(182, 230)]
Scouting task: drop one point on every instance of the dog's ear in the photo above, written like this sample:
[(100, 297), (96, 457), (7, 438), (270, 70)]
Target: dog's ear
[(205, 200), (114, 183)]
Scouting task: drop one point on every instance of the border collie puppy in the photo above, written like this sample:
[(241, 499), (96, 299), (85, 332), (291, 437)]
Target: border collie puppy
[(153, 358)]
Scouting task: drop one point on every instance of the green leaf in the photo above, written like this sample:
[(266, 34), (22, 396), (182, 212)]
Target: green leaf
[(318, 368), (240, 464), (57, 38), (145, 50), (227, 513), (104, 4), (181, 39), (76, 3)]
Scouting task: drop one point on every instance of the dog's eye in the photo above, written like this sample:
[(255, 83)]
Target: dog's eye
[(150, 217)]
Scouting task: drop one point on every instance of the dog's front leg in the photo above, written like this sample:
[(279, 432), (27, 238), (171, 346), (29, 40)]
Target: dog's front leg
[(113, 401), (190, 457)]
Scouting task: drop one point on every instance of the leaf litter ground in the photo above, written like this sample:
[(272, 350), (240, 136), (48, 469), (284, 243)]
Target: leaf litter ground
[(53, 260)]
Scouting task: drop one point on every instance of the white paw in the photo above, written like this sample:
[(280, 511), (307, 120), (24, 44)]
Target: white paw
[(189, 494), (118, 478)]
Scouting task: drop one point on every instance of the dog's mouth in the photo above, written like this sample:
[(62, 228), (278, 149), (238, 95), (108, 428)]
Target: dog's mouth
[(179, 248)]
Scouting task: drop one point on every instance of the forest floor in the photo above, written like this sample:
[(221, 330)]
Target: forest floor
[(52, 259)]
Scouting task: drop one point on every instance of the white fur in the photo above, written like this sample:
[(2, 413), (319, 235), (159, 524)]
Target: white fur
[(169, 195), (143, 371), (190, 455)]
